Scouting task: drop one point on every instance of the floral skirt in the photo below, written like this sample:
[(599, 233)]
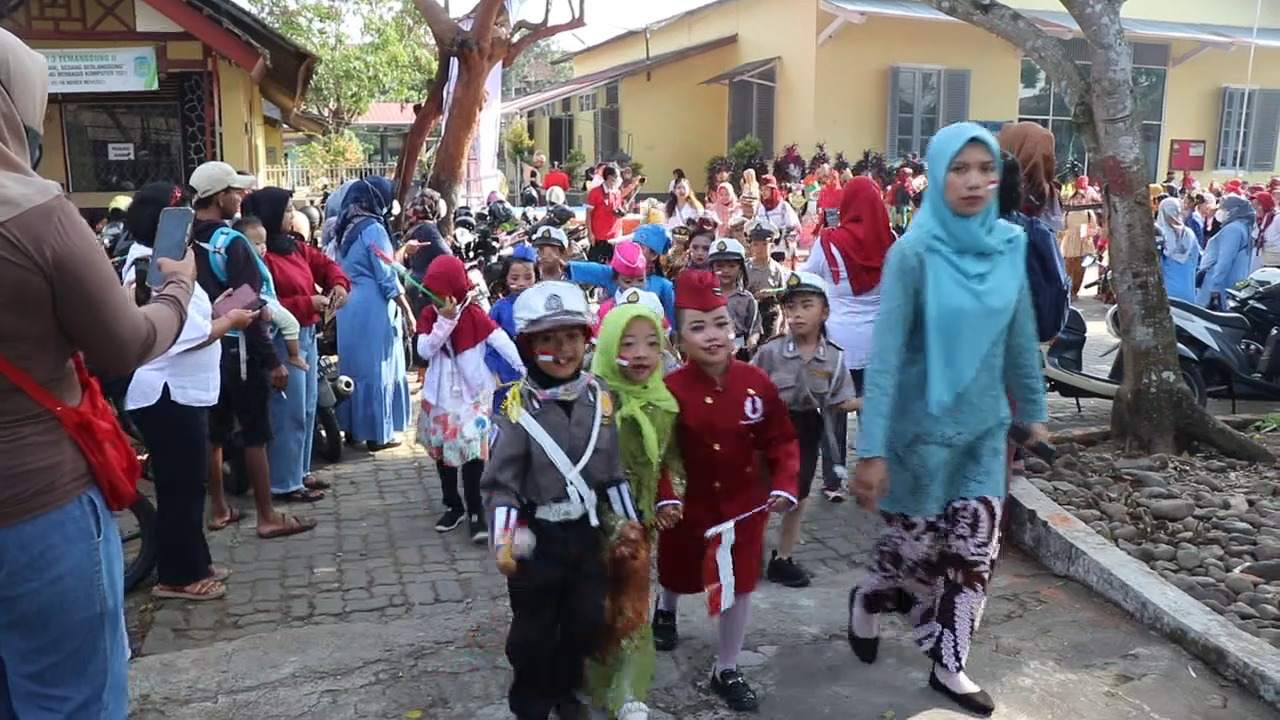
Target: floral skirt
[(455, 437)]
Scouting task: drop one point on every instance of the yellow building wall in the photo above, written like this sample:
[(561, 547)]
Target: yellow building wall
[(273, 143), (239, 102), (542, 134), (1238, 13)]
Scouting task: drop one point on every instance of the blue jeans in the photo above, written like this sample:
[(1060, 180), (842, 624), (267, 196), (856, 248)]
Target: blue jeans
[(63, 649), (293, 418)]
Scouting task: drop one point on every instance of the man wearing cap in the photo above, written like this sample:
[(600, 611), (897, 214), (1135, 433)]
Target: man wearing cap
[(250, 366), (730, 417)]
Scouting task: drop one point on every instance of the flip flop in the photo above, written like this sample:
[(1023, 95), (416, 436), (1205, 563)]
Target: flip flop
[(293, 525), (159, 592), (232, 517), (217, 573), (303, 495), (311, 482)]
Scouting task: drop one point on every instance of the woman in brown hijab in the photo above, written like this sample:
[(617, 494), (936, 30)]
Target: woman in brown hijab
[(1032, 144), (62, 637)]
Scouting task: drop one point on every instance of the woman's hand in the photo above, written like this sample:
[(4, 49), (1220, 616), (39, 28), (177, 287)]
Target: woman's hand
[(184, 268), (338, 297), (450, 308), (239, 318), (319, 303), (870, 481), (780, 504), (669, 516)]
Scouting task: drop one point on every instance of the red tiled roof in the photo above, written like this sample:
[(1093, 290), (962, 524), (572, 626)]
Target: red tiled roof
[(387, 113)]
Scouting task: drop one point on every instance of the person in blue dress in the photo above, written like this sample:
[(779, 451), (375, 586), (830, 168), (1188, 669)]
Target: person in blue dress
[(956, 332), (1180, 252), (372, 324), (1229, 252)]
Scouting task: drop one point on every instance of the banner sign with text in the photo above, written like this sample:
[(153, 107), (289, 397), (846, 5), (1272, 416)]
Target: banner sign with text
[(102, 70)]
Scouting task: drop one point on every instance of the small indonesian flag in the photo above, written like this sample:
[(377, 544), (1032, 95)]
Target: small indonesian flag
[(717, 568)]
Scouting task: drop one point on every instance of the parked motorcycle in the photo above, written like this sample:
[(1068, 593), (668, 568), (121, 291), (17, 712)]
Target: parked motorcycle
[(1064, 363), (333, 389)]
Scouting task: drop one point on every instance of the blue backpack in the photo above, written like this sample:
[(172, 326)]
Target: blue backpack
[(219, 243), (1046, 277)]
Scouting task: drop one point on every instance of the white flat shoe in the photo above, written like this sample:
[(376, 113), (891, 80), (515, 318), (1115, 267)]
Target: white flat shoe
[(634, 710)]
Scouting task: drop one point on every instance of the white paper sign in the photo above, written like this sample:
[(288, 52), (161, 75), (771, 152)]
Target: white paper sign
[(102, 70), (119, 151)]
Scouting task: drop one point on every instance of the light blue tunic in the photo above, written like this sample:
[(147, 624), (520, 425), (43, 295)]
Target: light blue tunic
[(934, 459), (370, 341), (1226, 260)]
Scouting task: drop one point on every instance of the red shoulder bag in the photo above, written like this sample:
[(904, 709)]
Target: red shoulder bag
[(94, 427)]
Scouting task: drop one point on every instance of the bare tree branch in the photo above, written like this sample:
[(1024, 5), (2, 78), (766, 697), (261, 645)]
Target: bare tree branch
[(526, 25), (486, 16), (444, 29), (544, 32), (428, 115)]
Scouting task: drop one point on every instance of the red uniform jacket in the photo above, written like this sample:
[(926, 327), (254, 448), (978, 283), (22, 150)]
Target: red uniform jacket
[(722, 433)]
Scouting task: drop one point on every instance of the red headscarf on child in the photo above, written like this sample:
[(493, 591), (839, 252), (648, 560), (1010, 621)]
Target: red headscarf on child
[(447, 277), (769, 181), (862, 238)]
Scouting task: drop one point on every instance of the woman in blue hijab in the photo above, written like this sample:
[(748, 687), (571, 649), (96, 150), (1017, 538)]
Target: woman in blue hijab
[(372, 324), (956, 331), (1180, 253), (1229, 253)]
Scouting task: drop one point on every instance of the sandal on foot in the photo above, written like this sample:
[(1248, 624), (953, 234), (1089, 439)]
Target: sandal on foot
[(311, 482), (293, 525), (233, 516), (199, 591), (301, 495), (217, 573)]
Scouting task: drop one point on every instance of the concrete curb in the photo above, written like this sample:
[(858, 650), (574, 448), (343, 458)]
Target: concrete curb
[(1068, 547)]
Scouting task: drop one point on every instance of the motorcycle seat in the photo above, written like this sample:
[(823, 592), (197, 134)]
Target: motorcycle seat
[(1225, 320)]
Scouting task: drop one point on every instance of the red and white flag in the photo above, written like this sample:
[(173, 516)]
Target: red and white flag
[(717, 569)]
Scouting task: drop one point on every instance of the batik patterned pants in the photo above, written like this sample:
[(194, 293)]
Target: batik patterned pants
[(935, 569)]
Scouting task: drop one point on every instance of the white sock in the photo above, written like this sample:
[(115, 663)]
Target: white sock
[(865, 624), (957, 682), (668, 600)]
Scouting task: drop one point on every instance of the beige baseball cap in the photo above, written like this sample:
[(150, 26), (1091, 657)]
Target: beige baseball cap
[(214, 176)]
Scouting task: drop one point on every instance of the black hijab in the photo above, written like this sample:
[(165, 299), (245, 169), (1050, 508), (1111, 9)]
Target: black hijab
[(270, 205)]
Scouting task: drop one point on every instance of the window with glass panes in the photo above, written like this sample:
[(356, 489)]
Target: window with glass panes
[(1039, 102)]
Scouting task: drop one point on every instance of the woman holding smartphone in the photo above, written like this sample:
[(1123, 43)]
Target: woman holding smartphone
[(169, 400)]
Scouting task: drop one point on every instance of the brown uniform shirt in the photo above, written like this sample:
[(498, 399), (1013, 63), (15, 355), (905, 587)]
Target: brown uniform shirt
[(60, 295)]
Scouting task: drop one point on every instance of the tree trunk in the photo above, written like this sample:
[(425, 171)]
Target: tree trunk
[(416, 138), (449, 168)]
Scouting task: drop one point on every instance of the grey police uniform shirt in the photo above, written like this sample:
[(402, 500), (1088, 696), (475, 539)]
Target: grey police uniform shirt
[(745, 313), (824, 374), (519, 473)]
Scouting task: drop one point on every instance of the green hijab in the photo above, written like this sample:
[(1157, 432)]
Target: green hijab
[(633, 397)]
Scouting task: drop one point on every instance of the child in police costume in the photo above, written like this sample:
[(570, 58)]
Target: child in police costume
[(554, 474), (730, 417), (811, 378)]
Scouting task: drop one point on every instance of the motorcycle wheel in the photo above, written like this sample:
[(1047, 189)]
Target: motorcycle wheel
[(328, 440), (1194, 381), (138, 537)]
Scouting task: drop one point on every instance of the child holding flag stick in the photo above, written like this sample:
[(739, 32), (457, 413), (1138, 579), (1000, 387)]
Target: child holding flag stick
[(730, 414)]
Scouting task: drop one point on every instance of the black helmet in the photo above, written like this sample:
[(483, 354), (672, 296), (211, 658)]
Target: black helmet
[(313, 215), (466, 222), (500, 212), (560, 214), (529, 197), (462, 211)]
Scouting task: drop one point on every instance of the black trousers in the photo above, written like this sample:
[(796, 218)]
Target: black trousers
[(177, 438), (839, 428), (557, 606), (471, 473)]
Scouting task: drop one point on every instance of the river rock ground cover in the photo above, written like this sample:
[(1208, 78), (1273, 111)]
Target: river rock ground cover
[(1207, 524)]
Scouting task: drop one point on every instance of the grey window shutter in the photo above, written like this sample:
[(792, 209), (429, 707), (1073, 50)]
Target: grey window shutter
[(741, 110), (891, 138), (764, 109), (609, 133), (955, 96), (1227, 125), (598, 135), (1265, 131)]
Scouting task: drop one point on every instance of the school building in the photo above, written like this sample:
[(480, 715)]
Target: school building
[(884, 75), (146, 90)]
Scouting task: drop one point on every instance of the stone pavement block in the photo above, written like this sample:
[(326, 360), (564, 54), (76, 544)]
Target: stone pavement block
[(449, 591)]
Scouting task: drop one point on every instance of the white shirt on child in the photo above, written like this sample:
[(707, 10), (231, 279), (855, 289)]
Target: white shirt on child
[(453, 382), (853, 317)]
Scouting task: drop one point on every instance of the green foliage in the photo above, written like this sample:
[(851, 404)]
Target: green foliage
[(748, 153), (573, 165), (519, 144), (333, 150), (369, 50), (532, 71)]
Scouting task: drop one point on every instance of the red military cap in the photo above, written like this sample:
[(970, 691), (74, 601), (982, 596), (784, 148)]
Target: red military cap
[(698, 290)]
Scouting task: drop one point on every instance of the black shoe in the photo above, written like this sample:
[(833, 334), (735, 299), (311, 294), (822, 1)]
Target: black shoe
[(665, 636), (376, 447), (479, 530), (978, 703), (866, 649), (734, 690), (450, 520), (786, 571), (572, 709)]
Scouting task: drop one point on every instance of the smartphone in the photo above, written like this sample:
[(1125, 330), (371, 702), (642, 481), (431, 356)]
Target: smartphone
[(242, 297), (831, 217), (172, 234)]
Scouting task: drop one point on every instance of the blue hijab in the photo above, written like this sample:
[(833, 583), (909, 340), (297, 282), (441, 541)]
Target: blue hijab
[(367, 198), (974, 272)]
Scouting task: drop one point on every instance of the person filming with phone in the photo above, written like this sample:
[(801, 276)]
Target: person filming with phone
[(250, 368), (169, 398), (63, 648)]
